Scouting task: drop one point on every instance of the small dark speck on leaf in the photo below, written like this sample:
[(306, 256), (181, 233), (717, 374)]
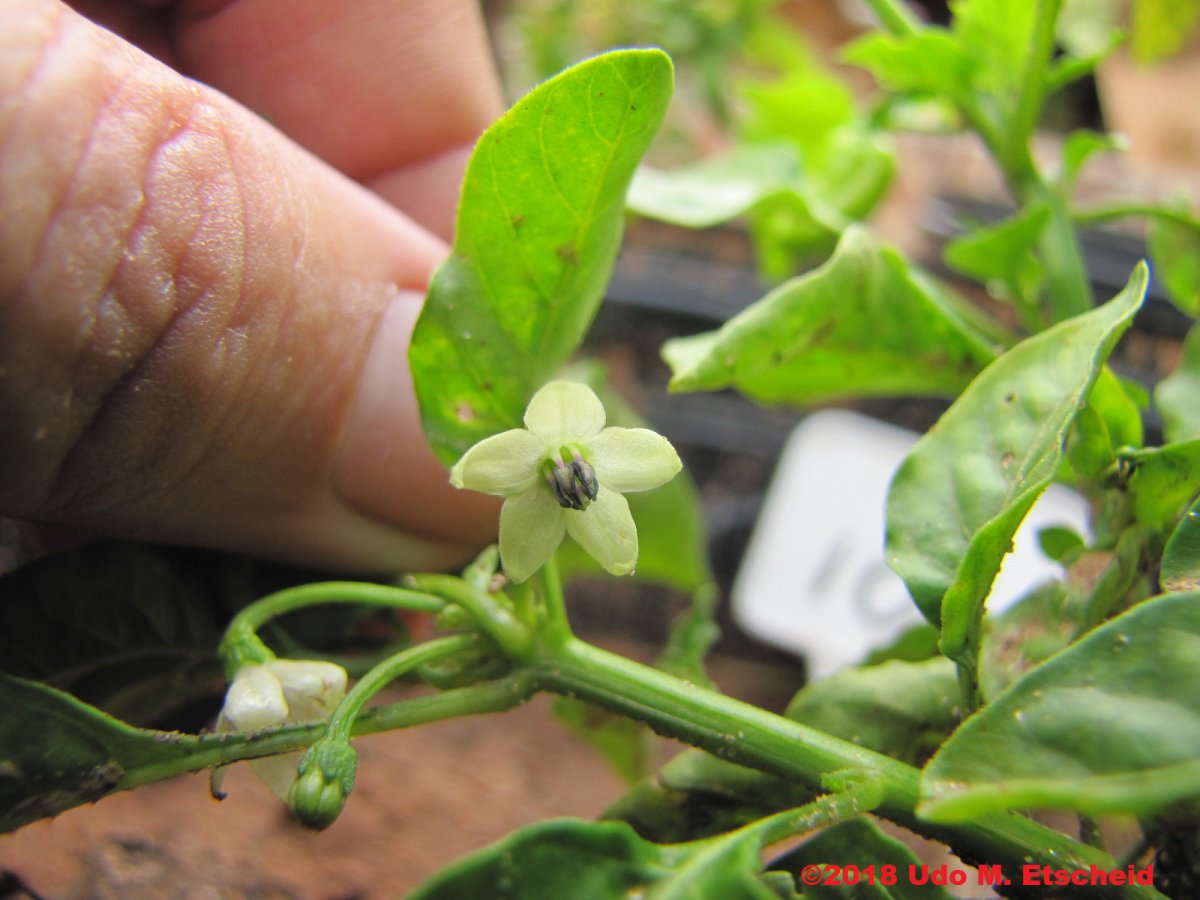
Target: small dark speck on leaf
[(1007, 459), (487, 385), (518, 220), (633, 106), (1010, 399), (464, 412), (566, 252)]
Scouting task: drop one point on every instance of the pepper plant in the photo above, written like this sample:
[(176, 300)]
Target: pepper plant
[(1083, 697)]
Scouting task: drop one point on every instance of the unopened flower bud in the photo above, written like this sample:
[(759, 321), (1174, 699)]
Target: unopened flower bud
[(324, 783)]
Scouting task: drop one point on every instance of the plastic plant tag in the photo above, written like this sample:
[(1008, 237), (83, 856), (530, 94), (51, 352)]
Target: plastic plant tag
[(813, 580)]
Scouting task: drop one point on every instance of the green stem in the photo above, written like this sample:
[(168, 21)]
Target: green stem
[(822, 812), (1101, 214), (341, 723), (241, 644), (1032, 90), (493, 617), (205, 751), (751, 736), (895, 17), (557, 628)]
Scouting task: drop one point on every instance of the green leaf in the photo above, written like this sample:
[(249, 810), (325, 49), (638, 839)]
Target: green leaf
[(1028, 633), (1162, 27), (1112, 724), (1164, 481), (716, 190), (1180, 569), (864, 323), (1079, 147), (1175, 252), (128, 627), (56, 752), (1002, 255), (960, 495), (1087, 27), (928, 62), (539, 225), (997, 35), (698, 795), (860, 843), (1178, 396), (574, 858), (627, 745), (1109, 424), (549, 861), (903, 709)]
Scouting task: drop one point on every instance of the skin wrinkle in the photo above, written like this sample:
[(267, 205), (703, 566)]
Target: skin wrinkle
[(153, 320)]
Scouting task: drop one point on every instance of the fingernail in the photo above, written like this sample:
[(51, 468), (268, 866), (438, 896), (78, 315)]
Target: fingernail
[(384, 467)]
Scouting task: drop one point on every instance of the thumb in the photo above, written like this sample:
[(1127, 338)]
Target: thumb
[(203, 329)]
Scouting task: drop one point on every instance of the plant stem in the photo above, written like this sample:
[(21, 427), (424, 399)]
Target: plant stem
[(244, 626), (205, 751), (751, 736), (494, 618), (895, 17), (341, 723), (1032, 90), (1100, 214), (556, 626)]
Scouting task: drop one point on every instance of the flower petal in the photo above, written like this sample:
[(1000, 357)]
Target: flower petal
[(531, 528), (278, 771), (312, 688), (255, 700), (502, 464), (633, 459), (564, 412), (606, 531)]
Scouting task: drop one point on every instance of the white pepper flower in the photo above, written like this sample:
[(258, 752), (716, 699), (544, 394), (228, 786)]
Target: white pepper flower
[(281, 692), (565, 473)]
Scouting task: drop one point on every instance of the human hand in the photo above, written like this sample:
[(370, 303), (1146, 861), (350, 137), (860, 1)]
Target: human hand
[(207, 287)]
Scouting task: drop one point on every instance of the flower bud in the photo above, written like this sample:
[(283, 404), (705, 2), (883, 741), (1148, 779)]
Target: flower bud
[(324, 783)]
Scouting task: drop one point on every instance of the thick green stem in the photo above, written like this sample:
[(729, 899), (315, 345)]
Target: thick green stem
[(211, 750), (751, 736)]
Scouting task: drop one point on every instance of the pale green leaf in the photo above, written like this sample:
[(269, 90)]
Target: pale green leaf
[(1178, 396), (902, 709), (1112, 724), (1180, 569), (1175, 253), (864, 323), (860, 843), (539, 226), (960, 495), (1002, 255)]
